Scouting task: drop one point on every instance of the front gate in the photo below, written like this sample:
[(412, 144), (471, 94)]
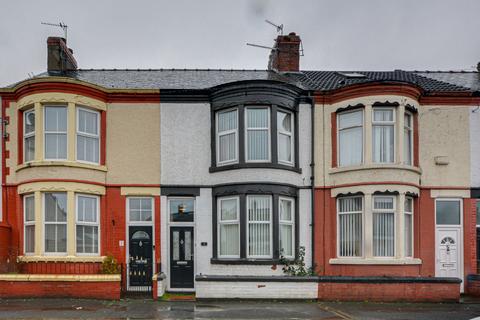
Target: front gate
[(139, 267)]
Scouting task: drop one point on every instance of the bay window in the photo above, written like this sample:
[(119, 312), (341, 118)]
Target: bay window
[(227, 136), (259, 214), (383, 226), (257, 134), (408, 227), (350, 138), (229, 227), (29, 135), (29, 223), (383, 128), (55, 133), (285, 137), (88, 135), (350, 226), (408, 139), (87, 224), (55, 214)]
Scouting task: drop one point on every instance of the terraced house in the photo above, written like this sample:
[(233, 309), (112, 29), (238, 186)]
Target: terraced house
[(210, 181)]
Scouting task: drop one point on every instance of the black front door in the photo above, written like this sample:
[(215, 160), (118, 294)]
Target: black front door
[(140, 251), (181, 257)]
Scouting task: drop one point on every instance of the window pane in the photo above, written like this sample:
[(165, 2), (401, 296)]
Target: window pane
[(229, 239), (228, 209), (55, 146), (448, 212), (383, 144), (350, 119), (259, 214), (56, 119), (382, 202), (408, 204), (227, 121), (286, 210), (350, 204), (87, 209), (257, 118), (30, 148), (227, 147), (350, 234), (383, 115), (61, 237), (257, 141), (383, 234), (30, 238), (408, 120), (286, 240), (29, 122), (284, 121), (259, 208), (351, 146), (181, 210), (80, 246), (55, 207), (140, 209), (284, 148), (87, 149), (55, 238), (408, 235), (87, 122), (29, 208)]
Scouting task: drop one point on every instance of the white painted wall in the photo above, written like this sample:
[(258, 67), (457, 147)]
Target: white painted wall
[(475, 147)]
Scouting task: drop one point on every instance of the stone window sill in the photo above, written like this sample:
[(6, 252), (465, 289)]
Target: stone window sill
[(375, 166), (61, 258), (62, 163), (61, 277), (371, 261)]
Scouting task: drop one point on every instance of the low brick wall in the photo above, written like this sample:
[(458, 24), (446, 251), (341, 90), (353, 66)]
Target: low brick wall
[(473, 285), (414, 289), (60, 286)]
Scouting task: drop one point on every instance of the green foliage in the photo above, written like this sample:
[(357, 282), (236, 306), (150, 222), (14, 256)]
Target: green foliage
[(297, 266), (110, 265)]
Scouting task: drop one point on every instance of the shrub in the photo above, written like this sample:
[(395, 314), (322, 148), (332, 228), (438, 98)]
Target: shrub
[(110, 265), (297, 266)]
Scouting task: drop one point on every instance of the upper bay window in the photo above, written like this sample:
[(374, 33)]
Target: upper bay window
[(350, 138), (55, 133), (257, 134), (408, 138), (88, 135), (227, 136), (29, 135), (383, 134)]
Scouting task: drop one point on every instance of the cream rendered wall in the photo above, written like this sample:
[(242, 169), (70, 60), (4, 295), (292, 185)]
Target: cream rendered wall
[(133, 143), (475, 147)]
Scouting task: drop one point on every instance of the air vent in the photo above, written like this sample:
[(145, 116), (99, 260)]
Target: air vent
[(352, 75)]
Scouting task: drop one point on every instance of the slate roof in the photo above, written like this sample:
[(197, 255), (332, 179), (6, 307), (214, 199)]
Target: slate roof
[(198, 79)]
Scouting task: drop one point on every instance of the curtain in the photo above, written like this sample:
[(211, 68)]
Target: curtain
[(257, 134), (229, 228), (383, 143), (350, 136), (383, 234), (259, 225), (350, 227), (284, 128), (227, 136)]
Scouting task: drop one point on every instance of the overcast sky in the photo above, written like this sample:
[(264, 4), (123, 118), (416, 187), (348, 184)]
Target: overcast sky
[(336, 34)]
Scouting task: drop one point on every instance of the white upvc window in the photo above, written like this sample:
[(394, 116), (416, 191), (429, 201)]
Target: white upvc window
[(259, 226), (55, 132), (140, 209), (257, 134), (408, 232), (287, 227), (29, 224), (29, 135), (408, 139), (227, 136), (228, 227), (55, 222), (350, 138), (87, 224), (383, 226), (383, 135), (88, 135), (285, 137), (350, 226)]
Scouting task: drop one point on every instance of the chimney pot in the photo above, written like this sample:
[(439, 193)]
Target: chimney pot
[(59, 56)]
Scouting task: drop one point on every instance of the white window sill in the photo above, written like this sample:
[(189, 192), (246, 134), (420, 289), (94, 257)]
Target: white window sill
[(375, 166), (61, 163), (46, 258), (377, 261)]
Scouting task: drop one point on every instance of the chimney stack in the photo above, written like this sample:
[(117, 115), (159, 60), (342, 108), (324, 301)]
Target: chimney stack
[(478, 67), (59, 56), (285, 57)]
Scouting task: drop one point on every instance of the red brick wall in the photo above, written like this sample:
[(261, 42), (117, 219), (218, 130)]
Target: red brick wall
[(73, 289), (432, 292), (60, 268), (470, 236)]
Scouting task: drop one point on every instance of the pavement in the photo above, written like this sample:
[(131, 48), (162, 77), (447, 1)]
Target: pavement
[(148, 309)]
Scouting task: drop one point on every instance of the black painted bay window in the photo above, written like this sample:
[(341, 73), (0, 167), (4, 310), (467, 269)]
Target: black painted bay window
[(254, 223)]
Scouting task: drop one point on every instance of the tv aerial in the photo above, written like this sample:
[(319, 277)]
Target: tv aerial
[(60, 25), (279, 31)]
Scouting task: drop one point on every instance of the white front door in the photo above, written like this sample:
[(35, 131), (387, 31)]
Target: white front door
[(448, 253)]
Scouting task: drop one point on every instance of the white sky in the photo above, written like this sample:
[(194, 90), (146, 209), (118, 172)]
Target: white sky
[(336, 34)]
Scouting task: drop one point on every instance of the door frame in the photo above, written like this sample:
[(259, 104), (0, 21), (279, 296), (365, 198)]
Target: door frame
[(459, 241), (181, 224), (138, 224)]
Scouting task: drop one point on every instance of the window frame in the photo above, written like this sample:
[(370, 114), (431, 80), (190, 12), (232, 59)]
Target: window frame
[(217, 138), (291, 134), (44, 223), (362, 214), (362, 112), (28, 223), (268, 129), (140, 222), (29, 134), (384, 123), (389, 211), (286, 222), (412, 216), (86, 223), (270, 223), (411, 133), (86, 134), (45, 132), (228, 222)]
